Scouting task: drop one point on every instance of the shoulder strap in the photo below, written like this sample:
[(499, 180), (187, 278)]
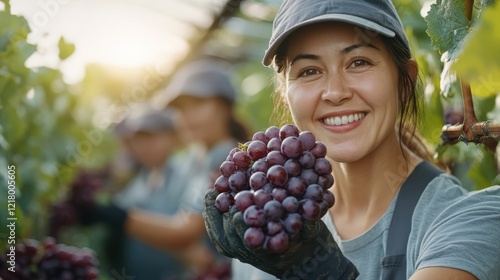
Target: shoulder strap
[(408, 196)]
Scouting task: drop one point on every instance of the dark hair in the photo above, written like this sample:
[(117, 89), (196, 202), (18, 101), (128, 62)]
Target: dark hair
[(238, 130), (410, 95)]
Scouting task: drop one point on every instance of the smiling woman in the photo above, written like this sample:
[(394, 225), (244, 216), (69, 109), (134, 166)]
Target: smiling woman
[(112, 33)]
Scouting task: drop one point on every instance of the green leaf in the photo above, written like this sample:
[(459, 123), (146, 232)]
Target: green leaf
[(484, 169), (479, 64), (65, 48), (448, 27)]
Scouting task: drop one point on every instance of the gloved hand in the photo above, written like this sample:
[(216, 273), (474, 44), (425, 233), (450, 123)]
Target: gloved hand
[(314, 255), (110, 215)]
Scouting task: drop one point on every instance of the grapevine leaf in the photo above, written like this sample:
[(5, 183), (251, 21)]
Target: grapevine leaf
[(65, 48), (448, 27), (480, 63)]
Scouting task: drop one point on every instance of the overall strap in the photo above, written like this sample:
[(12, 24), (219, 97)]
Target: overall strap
[(400, 228)]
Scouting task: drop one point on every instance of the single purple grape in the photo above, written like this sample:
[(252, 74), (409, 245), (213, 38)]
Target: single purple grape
[(254, 216), (254, 238), (224, 201), (273, 210), (309, 176), (231, 154), (227, 168), (308, 140), (288, 130), (292, 167), (309, 209), (261, 197), (238, 181), (323, 208), (258, 180), (243, 200), (272, 132), (261, 136), (274, 227), (290, 204), (277, 176), (279, 194), (268, 188), (278, 243), (293, 223), (274, 145), (307, 160), (329, 198), (314, 192), (257, 150), (275, 158), (241, 159), (319, 150), (291, 147), (222, 184), (296, 187), (260, 165), (323, 166), (325, 181)]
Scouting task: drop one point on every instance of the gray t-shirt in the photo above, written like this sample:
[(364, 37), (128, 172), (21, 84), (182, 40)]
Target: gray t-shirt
[(450, 227), (167, 197)]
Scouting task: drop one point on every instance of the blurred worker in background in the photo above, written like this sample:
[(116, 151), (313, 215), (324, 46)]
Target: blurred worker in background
[(167, 217)]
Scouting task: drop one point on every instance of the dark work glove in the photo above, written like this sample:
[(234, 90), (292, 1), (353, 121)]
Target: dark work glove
[(110, 215), (314, 255)]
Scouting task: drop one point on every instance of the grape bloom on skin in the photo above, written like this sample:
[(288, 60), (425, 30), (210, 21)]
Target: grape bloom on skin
[(277, 180)]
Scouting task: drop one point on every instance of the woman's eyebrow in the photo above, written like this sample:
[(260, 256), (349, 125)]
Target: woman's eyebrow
[(356, 46), (343, 51), (304, 56)]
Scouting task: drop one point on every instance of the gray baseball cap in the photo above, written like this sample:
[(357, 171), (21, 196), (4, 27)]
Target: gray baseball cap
[(203, 79), (375, 15), (147, 120)]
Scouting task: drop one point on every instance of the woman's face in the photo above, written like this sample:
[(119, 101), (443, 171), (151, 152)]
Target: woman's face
[(203, 120), (342, 86), (152, 149)]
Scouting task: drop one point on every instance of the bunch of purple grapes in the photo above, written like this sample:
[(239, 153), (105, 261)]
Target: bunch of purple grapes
[(51, 261), (81, 194), (278, 180)]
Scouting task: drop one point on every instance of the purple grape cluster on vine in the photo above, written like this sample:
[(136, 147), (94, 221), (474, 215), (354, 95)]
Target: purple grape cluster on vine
[(81, 194), (51, 261), (277, 180)]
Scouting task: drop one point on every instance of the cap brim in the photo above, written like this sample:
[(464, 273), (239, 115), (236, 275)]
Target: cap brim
[(370, 25)]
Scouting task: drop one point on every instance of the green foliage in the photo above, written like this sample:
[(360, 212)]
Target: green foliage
[(39, 132), (469, 48), (480, 63), (65, 48), (448, 27)]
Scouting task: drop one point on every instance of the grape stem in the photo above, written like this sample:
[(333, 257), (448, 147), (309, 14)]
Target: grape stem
[(471, 130)]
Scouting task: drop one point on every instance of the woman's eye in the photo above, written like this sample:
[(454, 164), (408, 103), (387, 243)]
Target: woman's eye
[(308, 72), (358, 63)]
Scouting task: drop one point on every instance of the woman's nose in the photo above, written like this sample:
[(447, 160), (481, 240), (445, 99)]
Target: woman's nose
[(336, 90)]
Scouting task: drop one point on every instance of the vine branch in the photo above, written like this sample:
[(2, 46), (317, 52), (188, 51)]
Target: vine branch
[(471, 130)]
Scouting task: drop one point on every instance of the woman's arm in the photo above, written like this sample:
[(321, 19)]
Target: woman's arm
[(442, 273), (165, 232)]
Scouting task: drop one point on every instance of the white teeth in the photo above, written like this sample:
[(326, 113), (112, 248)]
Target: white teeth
[(344, 119)]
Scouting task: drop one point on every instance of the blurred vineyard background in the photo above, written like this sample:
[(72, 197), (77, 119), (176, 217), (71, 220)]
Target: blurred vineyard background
[(70, 70)]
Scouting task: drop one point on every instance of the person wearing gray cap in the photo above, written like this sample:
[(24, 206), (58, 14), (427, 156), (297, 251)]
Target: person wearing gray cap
[(203, 96), (345, 70), (151, 139)]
